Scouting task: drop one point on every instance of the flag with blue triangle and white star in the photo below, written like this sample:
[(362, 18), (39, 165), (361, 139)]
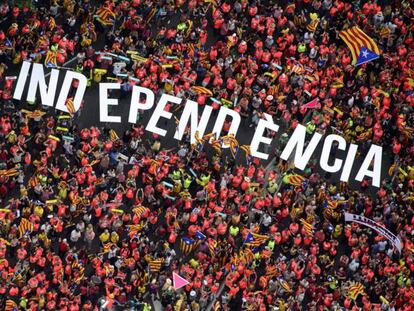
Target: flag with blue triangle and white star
[(365, 56)]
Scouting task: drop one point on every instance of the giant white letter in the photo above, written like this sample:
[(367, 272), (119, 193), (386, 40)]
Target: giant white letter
[(235, 122), (191, 111), (298, 141), (327, 146), (259, 138), (24, 73), (160, 112), (37, 79), (64, 92), (136, 104), (104, 101), (375, 155)]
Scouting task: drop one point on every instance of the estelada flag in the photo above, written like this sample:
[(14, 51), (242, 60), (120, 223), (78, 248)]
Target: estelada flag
[(254, 239), (363, 48), (187, 245)]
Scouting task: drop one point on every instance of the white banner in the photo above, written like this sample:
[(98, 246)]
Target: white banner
[(380, 229)]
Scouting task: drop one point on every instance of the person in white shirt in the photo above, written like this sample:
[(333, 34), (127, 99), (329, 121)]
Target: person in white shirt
[(75, 235)]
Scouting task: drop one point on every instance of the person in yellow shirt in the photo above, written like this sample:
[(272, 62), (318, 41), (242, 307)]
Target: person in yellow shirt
[(114, 237), (104, 236)]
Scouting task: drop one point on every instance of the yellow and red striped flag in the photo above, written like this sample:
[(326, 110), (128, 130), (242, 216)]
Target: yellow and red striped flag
[(307, 226), (11, 305), (212, 245), (139, 211), (187, 245), (106, 16), (25, 226), (272, 271), (70, 106), (355, 290), (294, 179), (9, 173), (51, 59), (113, 136), (359, 43), (134, 229), (284, 284), (255, 239), (156, 264)]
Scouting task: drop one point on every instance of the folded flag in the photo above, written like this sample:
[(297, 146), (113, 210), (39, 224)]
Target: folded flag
[(199, 235), (25, 226), (363, 48), (355, 290)]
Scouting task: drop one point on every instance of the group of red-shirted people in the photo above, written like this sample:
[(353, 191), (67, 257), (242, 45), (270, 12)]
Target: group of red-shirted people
[(92, 220)]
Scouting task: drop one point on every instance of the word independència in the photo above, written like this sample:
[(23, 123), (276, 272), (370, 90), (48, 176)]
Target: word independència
[(370, 167)]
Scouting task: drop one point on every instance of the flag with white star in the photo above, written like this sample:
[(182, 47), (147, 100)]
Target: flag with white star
[(365, 56)]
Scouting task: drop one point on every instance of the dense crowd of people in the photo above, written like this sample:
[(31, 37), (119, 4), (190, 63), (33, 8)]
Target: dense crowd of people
[(93, 221)]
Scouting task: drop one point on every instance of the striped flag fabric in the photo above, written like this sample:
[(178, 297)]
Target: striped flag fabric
[(134, 230), (272, 271), (284, 284), (216, 145), (217, 306), (247, 151), (51, 59), (70, 106), (187, 245), (307, 226), (139, 211), (254, 239), (363, 48), (245, 256), (294, 179), (9, 173), (25, 226), (10, 305), (106, 16), (156, 264), (191, 50), (212, 245), (113, 136), (312, 25), (355, 290), (298, 69)]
